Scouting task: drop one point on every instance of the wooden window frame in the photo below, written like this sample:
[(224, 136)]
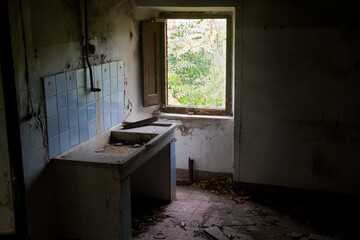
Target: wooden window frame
[(152, 49), (227, 111)]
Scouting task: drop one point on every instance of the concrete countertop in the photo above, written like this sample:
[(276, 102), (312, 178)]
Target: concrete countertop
[(85, 153)]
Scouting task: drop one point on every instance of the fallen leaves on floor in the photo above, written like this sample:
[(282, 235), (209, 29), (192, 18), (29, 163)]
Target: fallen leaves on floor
[(223, 186)]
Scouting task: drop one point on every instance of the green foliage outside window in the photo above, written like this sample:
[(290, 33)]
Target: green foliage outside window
[(196, 62)]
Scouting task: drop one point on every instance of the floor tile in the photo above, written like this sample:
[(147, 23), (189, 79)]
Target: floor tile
[(204, 209)]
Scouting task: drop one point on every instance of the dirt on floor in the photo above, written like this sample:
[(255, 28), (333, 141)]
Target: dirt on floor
[(199, 213)]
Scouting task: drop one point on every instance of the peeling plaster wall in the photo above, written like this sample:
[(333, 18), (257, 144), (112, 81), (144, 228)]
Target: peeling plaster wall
[(7, 223), (209, 141), (300, 124), (47, 39)]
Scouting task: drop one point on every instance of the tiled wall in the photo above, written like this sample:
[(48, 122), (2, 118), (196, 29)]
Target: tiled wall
[(74, 113)]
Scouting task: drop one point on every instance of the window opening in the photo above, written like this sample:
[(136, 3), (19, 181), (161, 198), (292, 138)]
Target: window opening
[(196, 62)]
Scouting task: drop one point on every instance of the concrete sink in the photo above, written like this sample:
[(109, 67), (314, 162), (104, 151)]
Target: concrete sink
[(111, 179)]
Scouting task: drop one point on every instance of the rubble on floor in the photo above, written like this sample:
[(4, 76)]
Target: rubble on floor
[(222, 185), (206, 211), (215, 232), (146, 213)]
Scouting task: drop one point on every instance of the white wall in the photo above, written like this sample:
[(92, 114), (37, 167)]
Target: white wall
[(208, 141)]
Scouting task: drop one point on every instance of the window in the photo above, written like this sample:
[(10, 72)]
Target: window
[(190, 55)]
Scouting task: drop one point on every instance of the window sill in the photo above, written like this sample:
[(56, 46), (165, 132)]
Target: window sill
[(177, 116)]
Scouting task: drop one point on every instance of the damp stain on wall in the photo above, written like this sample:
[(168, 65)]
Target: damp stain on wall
[(185, 129), (129, 108)]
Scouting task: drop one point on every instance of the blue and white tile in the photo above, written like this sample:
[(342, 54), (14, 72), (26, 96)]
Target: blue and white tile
[(98, 73), (74, 136), (88, 82), (91, 111), (72, 98), (113, 86), (121, 116), (62, 103), (90, 97), (52, 127), (60, 83), (49, 86), (92, 128), (105, 71), (101, 110), (121, 68), (107, 120), (106, 104), (121, 83), (114, 118), (121, 100), (114, 102), (100, 124), (64, 122), (73, 118), (82, 114), (80, 78), (83, 132), (70, 80), (99, 84), (106, 88), (64, 141), (121, 108), (54, 147), (113, 70), (81, 95), (51, 106)]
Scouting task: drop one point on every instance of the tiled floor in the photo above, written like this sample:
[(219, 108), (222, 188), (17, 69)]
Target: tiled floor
[(199, 209)]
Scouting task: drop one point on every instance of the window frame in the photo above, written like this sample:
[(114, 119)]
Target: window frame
[(227, 111)]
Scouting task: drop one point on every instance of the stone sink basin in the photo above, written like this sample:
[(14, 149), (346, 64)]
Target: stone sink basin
[(137, 141)]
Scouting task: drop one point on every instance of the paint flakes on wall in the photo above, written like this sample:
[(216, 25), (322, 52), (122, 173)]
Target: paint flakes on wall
[(185, 128)]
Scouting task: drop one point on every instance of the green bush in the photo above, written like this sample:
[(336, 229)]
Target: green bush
[(196, 62)]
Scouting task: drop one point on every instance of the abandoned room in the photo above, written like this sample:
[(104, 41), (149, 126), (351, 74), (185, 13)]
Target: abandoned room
[(191, 119)]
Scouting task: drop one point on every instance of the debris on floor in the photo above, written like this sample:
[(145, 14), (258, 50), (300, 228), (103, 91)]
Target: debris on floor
[(147, 213), (223, 186), (183, 225), (159, 235), (212, 216), (258, 212), (243, 237), (314, 236), (215, 233), (270, 222), (202, 223), (295, 235)]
